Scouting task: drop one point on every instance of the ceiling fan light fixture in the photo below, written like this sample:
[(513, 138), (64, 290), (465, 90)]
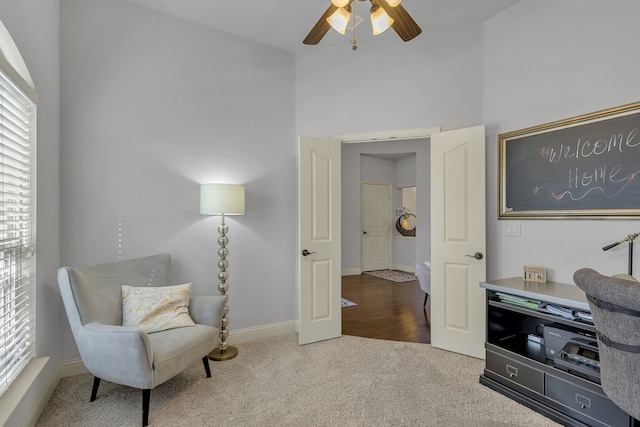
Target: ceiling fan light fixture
[(342, 3), (383, 14), (380, 21), (339, 20)]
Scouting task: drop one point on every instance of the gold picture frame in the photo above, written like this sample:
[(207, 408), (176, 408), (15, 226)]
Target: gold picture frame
[(582, 167)]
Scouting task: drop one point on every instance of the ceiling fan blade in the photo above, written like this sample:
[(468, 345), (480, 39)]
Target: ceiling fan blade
[(320, 29), (403, 23)]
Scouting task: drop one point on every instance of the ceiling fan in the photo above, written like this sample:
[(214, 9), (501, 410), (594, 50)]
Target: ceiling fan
[(384, 14)]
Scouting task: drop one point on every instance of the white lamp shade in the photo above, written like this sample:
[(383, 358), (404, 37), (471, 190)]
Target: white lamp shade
[(380, 21), (217, 199), (339, 20)]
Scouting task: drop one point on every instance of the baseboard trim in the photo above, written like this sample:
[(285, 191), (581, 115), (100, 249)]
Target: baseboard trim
[(405, 268), (399, 267), (259, 332), (351, 271), (20, 388), (38, 407), (72, 367)]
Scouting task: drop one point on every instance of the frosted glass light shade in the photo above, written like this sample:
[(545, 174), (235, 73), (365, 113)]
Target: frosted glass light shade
[(217, 199), (339, 20), (393, 3), (380, 21)]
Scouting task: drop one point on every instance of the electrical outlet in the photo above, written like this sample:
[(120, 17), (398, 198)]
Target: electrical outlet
[(512, 229)]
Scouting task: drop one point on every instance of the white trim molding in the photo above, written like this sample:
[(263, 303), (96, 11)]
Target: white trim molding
[(260, 332), (351, 271), (389, 135), (72, 367), (405, 268), (19, 389)]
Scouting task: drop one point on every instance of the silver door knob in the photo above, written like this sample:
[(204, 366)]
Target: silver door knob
[(477, 255)]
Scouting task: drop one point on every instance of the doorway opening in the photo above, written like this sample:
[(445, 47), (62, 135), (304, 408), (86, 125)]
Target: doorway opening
[(457, 167), (386, 309)]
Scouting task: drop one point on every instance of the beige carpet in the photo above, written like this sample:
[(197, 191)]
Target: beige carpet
[(393, 275), (348, 381)]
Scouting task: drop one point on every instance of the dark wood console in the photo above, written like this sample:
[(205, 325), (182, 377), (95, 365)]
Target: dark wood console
[(518, 366)]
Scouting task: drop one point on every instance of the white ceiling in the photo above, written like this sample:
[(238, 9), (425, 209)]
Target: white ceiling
[(285, 23)]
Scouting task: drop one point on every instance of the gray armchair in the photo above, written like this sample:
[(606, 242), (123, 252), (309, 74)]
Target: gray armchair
[(615, 306), (127, 355)]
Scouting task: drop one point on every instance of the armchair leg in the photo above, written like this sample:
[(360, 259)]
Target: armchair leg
[(146, 397), (94, 390), (205, 362), (426, 295)]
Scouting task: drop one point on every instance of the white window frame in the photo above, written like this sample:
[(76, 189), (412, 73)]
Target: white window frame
[(18, 121)]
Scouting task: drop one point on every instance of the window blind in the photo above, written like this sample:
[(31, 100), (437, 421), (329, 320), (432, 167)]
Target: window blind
[(17, 224)]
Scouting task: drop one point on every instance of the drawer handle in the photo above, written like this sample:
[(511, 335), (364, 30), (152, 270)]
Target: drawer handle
[(512, 371), (583, 401)]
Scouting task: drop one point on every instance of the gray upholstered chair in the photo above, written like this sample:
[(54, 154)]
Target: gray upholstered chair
[(615, 306), (127, 355)]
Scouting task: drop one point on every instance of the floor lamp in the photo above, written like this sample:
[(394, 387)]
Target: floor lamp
[(222, 199)]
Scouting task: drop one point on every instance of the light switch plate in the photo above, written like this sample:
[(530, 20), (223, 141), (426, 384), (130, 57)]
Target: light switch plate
[(512, 228)]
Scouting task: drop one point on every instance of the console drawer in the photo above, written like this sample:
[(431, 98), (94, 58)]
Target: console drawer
[(594, 405), (515, 371)]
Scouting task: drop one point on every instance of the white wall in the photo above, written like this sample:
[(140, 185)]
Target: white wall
[(152, 106), (34, 27), (536, 62), (547, 60), (375, 169), (434, 80), (387, 84), (406, 172), (238, 105)]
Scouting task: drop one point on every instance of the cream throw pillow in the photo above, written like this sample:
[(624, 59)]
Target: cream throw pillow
[(155, 309)]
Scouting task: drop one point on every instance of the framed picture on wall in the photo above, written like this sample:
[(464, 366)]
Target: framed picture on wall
[(582, 167)]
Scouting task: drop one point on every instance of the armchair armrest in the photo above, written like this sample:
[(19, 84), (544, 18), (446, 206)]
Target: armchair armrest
[(120, 354), (207, 310)]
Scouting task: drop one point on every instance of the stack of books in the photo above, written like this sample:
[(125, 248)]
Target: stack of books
[(585, 316), (558, 310), (543, 307), (519, 301)]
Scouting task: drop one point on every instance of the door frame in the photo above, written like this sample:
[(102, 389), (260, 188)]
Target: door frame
[(379, 136), (388, 135), (363, 137)]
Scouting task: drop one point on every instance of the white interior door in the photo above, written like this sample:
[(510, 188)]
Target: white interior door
[(375, 208), (458, 233), (319, 240)]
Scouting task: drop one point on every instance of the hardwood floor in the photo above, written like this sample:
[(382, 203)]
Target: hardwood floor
[(386, 310)]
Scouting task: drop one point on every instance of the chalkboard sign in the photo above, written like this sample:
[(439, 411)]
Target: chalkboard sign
[(586, 166)]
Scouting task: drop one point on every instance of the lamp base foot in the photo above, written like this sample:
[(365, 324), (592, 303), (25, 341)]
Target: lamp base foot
[(219, 355)]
